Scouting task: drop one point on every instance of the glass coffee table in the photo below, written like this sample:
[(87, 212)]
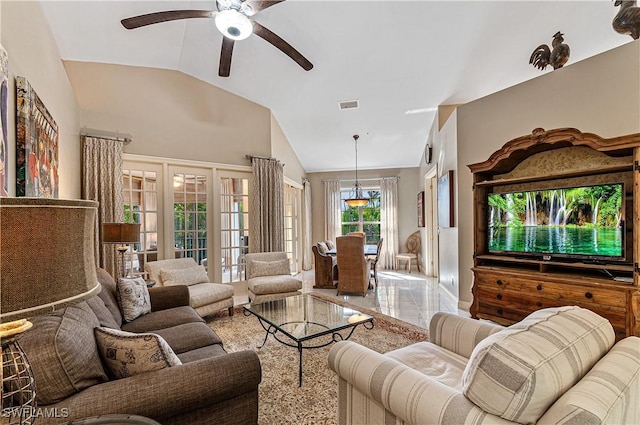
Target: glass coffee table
[(303, 320)]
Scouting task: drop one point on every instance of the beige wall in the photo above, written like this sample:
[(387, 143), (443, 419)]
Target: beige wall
[(407, 197), (34, 55), (599, 95), (282, 150)]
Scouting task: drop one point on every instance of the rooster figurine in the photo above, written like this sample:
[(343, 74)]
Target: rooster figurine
[(627, 21), (543, 56)]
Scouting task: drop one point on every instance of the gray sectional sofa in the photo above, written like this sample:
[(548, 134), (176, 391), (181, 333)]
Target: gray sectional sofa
[(211, 386)]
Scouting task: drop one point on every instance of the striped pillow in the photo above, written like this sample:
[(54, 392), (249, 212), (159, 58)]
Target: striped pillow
[(519, 372)]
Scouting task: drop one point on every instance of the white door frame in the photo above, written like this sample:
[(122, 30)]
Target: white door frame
[(430, 250)]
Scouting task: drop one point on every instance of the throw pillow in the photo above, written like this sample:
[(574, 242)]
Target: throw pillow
[(322, 248), (189, 276), (519, 372), (126, 354), (270, 268), (133, 298), (330, 244)]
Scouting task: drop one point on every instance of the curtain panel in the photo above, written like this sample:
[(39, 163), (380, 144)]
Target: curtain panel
[(102, 182), (267, 231), (389, 221), (307, 255), (333, 210)]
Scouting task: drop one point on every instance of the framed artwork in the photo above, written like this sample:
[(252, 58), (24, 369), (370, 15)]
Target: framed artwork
[(4, 147), (421, 209), (36, 145), (445, 200)]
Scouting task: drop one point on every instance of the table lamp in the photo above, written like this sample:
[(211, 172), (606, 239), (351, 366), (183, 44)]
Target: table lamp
[(122, 233), (47, 262)]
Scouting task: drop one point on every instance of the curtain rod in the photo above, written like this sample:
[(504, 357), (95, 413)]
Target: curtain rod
[(100, 134), (362, 180), (250, 157)]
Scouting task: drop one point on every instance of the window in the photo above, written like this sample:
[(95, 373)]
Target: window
[(292, 225), (190, 216), (362, 219)]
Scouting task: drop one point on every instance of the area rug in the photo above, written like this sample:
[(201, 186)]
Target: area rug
[(281, 400)]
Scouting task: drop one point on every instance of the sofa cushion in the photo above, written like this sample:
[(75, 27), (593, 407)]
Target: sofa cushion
[(270, 268), (209, 293), (519, 372), (108, 294), (126, 354), (63, 354), (199, 335), (436, 362), (105, 318), (133, 298), (190, 276), (202, 353), (274, 284), (163, 319)]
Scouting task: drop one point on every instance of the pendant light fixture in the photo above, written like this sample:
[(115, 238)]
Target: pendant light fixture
[(357, 200)]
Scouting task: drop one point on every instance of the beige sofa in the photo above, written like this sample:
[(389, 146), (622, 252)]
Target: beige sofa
[(269, 277), (557, 366), (206, 297), (211, 386)]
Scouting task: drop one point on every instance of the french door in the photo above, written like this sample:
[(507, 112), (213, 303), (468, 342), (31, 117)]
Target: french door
[(234, 224)]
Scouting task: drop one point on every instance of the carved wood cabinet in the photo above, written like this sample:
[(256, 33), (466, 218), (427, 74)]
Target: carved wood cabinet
[(507, 288)]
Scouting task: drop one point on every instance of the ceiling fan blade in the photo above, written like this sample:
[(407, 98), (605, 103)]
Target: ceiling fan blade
[(169, 15), (285, 47), (225, 57), (257, 5)]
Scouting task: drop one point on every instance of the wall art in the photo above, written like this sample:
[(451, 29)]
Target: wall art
[(36, 145)]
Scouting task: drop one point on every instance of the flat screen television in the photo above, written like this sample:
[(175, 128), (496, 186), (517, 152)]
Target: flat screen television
[(573, 223)]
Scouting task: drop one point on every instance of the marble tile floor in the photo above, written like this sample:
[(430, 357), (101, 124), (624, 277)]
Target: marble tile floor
[(411, 297)]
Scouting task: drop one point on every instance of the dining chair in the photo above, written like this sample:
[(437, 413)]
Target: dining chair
[(413, 250), (374, 264), (353, 267)]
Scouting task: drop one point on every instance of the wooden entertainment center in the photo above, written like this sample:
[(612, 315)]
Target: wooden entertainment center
[(507, 288)]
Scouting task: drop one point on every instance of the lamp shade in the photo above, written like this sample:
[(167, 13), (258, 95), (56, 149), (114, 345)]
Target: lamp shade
[(47, 257), (120, 232)]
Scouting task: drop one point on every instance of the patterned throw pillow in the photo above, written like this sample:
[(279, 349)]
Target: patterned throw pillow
[(519, 372), (133, 298), (189, 276), (270, 268), (126, 354), (330, 244)]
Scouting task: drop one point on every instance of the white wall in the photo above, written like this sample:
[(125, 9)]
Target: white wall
[(34, 55), (598, 95)]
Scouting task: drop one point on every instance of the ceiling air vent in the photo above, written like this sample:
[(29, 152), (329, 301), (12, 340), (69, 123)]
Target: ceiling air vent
[(348, 104)]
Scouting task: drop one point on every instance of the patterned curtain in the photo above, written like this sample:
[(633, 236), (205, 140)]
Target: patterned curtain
[(307, 255), (333, 210), (267, 232), (389, 220), (102, 182)]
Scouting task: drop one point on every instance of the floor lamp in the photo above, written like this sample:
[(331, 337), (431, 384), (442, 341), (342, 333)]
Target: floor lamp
[(47, 262), (123, 234)]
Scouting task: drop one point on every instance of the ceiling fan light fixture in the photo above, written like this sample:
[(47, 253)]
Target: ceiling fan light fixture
[(233, 24)]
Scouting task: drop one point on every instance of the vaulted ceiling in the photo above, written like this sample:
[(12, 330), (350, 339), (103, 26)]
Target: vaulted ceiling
[(399, 59)]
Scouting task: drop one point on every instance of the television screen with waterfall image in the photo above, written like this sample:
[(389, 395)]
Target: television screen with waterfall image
[(578, 223)]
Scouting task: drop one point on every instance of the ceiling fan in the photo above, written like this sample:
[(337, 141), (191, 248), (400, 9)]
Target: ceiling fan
[(233, 20)]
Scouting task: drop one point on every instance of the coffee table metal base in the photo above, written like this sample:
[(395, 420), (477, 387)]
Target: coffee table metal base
[(335, 337)]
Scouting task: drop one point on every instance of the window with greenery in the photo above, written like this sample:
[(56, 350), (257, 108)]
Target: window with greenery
[(362, 219)]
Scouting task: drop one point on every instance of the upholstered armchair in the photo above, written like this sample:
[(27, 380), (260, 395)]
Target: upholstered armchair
[(556, 366), (269, 277), (353, 267), (324, 268)]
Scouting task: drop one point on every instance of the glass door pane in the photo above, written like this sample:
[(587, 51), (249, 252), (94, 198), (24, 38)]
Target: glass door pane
[(190, 215), (141, 205), (292, 241), (234, 227)]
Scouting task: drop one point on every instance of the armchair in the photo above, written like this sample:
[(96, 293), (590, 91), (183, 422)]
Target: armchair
[(475, 372), (353, 267), (269, 277)]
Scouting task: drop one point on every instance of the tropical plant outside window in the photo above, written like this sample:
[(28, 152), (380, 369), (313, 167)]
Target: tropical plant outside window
[(190, 216), (362, 219)]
